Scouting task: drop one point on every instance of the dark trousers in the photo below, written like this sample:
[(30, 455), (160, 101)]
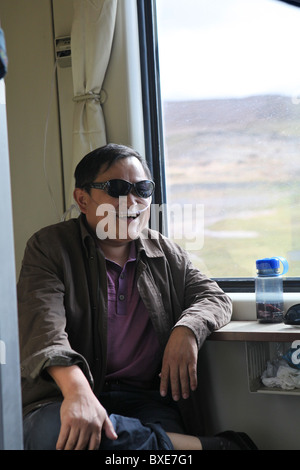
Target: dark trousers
[(140, 419)]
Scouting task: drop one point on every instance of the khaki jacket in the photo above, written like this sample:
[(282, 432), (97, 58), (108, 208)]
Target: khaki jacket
[(62, 297)]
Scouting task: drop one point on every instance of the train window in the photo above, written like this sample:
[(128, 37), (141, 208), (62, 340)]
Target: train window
[(230, 91)]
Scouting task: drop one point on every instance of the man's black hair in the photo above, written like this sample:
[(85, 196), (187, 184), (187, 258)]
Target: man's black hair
[(89, 167)]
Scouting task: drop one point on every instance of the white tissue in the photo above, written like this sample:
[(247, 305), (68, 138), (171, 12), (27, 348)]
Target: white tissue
[(281, 375)]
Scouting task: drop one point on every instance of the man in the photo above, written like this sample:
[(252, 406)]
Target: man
[(111, 316)]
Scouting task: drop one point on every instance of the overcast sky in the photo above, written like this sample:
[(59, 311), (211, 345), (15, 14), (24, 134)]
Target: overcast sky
[(233, 48), (226, 48)]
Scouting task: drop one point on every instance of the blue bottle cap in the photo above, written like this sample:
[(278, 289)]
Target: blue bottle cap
[(272, 264)]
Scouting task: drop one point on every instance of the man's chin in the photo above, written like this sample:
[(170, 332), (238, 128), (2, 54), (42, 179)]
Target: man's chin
[(120, 229)]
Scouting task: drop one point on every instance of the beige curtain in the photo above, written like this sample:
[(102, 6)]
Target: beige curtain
[(91, 42)]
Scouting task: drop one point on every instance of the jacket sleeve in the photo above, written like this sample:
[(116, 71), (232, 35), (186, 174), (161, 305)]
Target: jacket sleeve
[(206, 306), (42, 319)]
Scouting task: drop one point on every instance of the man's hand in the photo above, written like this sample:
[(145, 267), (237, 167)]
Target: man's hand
[(82, 415), (179, 366)]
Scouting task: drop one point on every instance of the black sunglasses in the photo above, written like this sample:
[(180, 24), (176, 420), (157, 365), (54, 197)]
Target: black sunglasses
[(117, 188)]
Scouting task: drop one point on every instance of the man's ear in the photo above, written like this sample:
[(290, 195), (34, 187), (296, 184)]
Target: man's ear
[(81, 197)]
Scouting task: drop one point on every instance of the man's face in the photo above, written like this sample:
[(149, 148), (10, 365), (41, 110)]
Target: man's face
[(116, 218)]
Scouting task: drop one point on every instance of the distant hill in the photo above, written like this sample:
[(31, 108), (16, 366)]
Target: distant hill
[(232, 140), (240, 159), (227, 112)]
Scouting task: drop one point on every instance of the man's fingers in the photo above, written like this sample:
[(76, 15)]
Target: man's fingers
[(84, 437), (179, 367), (79, 439), (164, 380), (182, 379), (70, 441), (109, 429), (95, 441), (188, 379), (175, 383), (63, 437), (184, 382), (193, 376), (178, 379)]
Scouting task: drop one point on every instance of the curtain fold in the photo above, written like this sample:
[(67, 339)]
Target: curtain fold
[(91, 42)]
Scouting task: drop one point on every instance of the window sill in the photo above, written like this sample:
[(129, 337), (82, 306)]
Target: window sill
[(244, 304), (255, 331), (245, 327)]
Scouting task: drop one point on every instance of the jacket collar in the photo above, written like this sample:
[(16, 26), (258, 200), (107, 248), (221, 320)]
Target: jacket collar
[(149, 242), (87, 236)]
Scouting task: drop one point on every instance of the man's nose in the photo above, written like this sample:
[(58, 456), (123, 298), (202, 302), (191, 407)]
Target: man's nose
[(132, 198)]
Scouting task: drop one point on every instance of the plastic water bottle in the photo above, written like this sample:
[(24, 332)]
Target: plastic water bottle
[(269, 289)]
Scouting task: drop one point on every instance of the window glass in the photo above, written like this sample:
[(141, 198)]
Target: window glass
[(230, 86)]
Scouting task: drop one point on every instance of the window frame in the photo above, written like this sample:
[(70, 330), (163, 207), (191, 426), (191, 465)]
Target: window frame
[(153, 129), (151, 95)]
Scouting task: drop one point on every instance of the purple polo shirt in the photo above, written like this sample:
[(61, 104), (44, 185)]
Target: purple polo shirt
[(132, 344)]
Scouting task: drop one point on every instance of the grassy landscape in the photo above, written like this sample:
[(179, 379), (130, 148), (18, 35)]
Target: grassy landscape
[(240, 158)]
